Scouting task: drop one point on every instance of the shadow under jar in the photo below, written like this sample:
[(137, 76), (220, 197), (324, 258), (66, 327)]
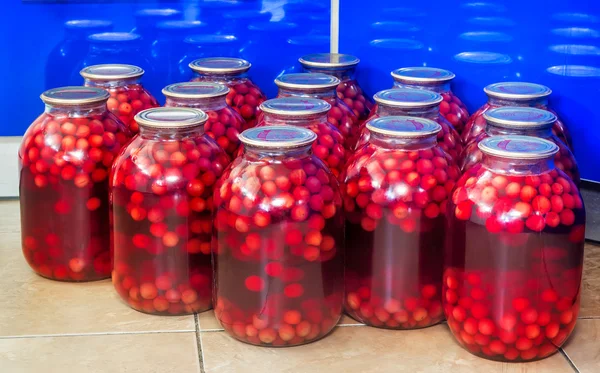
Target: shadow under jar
[(436, 80), (514, 254), (161, 187), (395, 195), (322, 86), (127, 95), (514, 94), (510, 120), (64, 162), (244, 96), (277, 245), (310, 113), (224, 123), (414, 103), (343, 67)]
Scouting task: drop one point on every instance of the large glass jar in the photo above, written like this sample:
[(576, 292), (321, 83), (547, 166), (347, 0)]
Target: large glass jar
[(309, 113), (277, 244), (343, 67), (127, 95), (146, 21), (224, 124), (116, 47), (514, 94), (64, 162), (395, 193), (245, 96), (413, 102), (436, 80), (512, 120), (206, 45), (162, 187), (322, 86), (514, 254)]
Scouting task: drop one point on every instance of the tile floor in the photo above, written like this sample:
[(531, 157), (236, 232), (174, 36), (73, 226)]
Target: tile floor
[(50, 327)]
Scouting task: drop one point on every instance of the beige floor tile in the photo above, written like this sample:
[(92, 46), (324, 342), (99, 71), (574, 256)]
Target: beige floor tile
[(363, 349), (583, 348), (131, 353), (590, 293), (32, 305)]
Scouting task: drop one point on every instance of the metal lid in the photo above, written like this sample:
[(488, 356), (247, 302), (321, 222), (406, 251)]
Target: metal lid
[(210, 39), (303, 81), (88, 24), (328, 60), (490, 58), (111, 72), (404, 127), (519, 117), (156, 12), (397, 44), (517, 90), (72, 96), (273, 137), (171, 117), (191, 90), (407, 97), (112, 37), (486, 36), (295, 106), (179, 25), (422, 75), (220, 65), (518, 147)]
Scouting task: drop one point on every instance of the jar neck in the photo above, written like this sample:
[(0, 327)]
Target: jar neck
[(342, 74), (111, 83), (97, 108), (206, 104), (113, 48), (426, 112), (436, 87), (153, 133), (492, 130), (221, 77), (539, 102), (277, 155), (303, 121), (313, 93), (521, 167), (408, 144)]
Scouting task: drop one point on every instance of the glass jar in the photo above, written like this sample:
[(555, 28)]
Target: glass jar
[(245, 96), (512, 120), (162, 187), (310, 113), (278, 227), (127, 95), (413, 102), (514, 252), (224, 124), (514, 94), (322, 86), (343, 67), (395, 195), (436, 80), (146, 21), (64, 161)]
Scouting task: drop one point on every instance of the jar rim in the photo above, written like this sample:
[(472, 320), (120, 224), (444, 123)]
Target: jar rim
[(277, 137), (519, 117), (517, 90), (171, 117), (329, 60), (111, 72), (295, 106), (518, 147), (199, 90), (408, 98), (404, 127), (303, 81), (422, 75), (74, 96), (220, 65)]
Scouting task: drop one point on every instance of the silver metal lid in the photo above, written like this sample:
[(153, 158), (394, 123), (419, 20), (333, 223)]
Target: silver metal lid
[(220, 65), (518, 147), (73, 96), (303, 81), (404, 127), (274, 137), (328, 60), (517, 90), (198, 90), (111, 72), (407, 97), (114, 37), (484, 58), (171, 117), (422, 75), (295, 106), (519, 117)]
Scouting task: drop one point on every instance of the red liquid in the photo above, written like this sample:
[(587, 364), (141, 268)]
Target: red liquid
[(64, 163), (162, 205), (512, 284), (277, 250), (126, 101), (353, 96)]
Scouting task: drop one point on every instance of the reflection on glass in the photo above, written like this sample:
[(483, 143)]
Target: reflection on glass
[(394, 29), (481, 7), (575, 18), (236, 22), (576, 71), (301, 45), (491, 22), (210, 45), (146, 21), (211, 13)]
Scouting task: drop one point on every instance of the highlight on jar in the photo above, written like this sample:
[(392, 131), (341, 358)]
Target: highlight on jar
[(127, 95), (322, 86), (64, 162), (514, 253), (310, 113), (245, 96), (514, 94), (343, 67), (395, 192), (277, 245), (417, 103), (511, 120), (436, 80), (224, 123), (162, 186)]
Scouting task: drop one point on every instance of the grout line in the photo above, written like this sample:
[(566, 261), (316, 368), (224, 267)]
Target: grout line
[(564, 353), (91, 334), (334, 27), (199, 343)]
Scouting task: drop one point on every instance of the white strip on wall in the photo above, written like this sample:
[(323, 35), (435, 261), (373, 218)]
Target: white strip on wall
[(9, 166), (334, 43)]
